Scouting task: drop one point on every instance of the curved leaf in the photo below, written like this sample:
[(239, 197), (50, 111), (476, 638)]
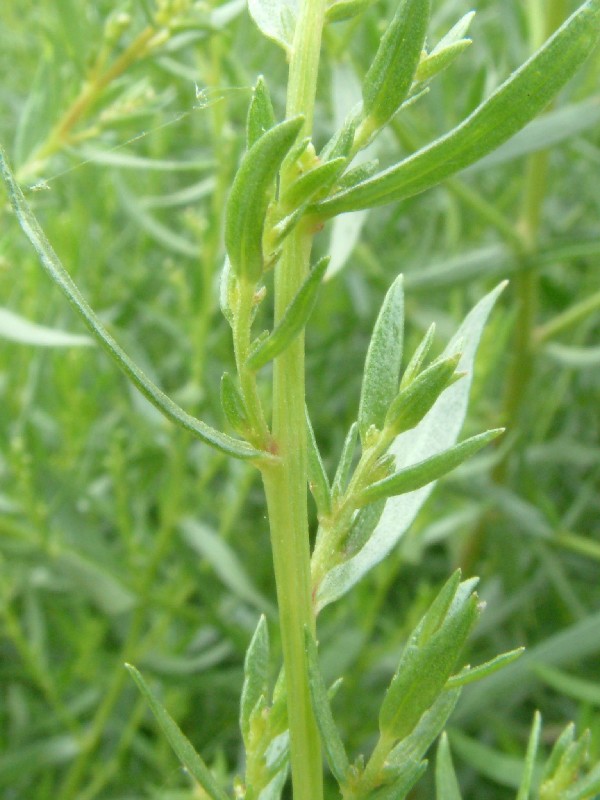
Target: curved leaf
[(517, 101), (53, 266)]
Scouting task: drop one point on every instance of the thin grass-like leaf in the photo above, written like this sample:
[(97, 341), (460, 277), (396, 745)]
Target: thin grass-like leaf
[(65, 283), (178, 741)]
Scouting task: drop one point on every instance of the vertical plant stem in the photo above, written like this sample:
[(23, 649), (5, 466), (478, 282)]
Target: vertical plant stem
[(286, 482), (543, 20)]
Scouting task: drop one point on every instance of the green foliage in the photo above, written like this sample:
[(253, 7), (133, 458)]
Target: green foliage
[(123, 538)]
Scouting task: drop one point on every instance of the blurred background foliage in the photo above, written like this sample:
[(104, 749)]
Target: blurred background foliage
[(121, 539)]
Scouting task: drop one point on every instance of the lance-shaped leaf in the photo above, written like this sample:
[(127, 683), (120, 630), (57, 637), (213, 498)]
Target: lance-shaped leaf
[(250, 195), (232, 404), (256, 671), (55, 269), (317, 476), (437, 62), (344, 466), (427, 662), (294, 319), (341, 142), (390, 76), (446, 50), (446, 785), (436, 432), (532, 748), (428, 470), (472, 674), (179, 742), (517, 101), (318, 179), (359, 173), (332, 742), (413, 368), (412, 403), (382, 365), (261, 116), (413, 747)]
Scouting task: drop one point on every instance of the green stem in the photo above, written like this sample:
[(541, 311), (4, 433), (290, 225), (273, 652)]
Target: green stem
[(286, 482), (568, 318)]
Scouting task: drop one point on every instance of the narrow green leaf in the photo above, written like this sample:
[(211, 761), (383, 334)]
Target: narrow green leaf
[(233, 404), (418, 357), (256, 672), (434, 63), (429, 727), (382, 365), (426, 664), (363, 525), (564, 741), (250, 195), (178, 741), (532, 748), (472, 674), (456, 33), (517, 101), (261, 116), (332, 742), (424, 472), (318, 179), (438, 609), (317, 476), (581, 689), (65, 283), (446, 785), (293, 321), (344, 466), (341, 142), (358, 174), (390, 76), (412, 403)]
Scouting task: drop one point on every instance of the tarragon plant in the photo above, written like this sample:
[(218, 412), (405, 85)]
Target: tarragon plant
[(410, 410)]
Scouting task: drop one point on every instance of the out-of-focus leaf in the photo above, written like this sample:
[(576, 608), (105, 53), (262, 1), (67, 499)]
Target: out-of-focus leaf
[(586, 691), (224, 561), (100, 585), (573, 357), (18, 329), (446, 785), (532, 748)]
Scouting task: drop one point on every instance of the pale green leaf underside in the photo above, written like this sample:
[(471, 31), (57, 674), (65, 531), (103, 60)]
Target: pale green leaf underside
[(436, 432), (517, 101), (16, 328), (65, 283), (276, 19)]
